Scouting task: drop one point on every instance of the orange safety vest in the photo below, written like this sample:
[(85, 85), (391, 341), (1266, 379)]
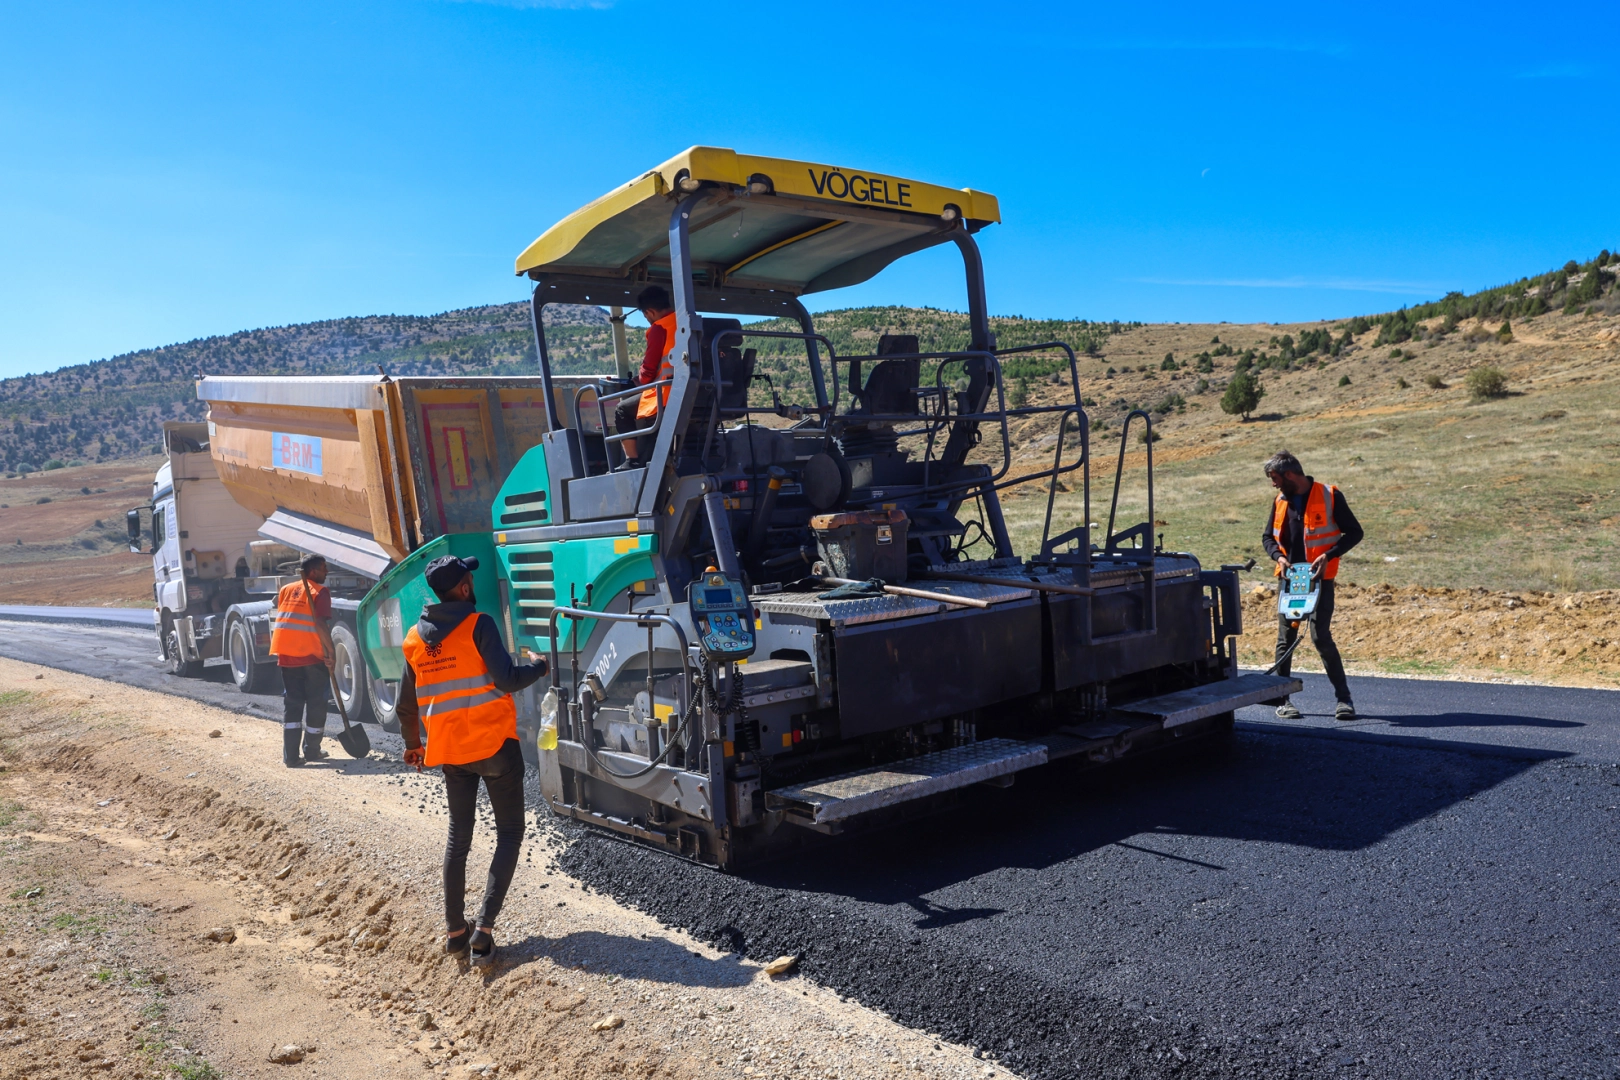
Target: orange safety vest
[(466, 718), (1321, 531), (666, 370), (293, 632)]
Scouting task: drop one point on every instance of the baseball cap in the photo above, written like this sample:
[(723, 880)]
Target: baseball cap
[(446, 572)]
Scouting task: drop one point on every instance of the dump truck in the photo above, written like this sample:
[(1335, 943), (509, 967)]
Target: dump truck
[(798, 611), (362, 470)]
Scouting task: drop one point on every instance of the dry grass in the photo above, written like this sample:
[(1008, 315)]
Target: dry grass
[(1513, 493)]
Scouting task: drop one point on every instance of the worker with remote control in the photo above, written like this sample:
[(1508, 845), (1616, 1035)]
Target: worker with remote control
[(1311, 523)]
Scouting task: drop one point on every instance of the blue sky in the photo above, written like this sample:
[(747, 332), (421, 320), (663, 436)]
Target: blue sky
[(173, 170)]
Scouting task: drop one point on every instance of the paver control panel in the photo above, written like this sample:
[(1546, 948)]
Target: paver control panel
[(724, 616)]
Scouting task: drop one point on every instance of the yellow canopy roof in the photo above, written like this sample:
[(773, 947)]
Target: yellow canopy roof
[(768, 223)]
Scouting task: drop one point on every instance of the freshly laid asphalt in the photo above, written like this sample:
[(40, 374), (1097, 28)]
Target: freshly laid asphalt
[(1431, 891)]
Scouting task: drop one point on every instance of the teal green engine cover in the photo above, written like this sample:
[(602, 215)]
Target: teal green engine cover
[(393, 605), (540, 575)]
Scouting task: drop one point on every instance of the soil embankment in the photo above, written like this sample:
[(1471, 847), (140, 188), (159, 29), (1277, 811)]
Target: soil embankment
[(1569, 639), (176, 902)]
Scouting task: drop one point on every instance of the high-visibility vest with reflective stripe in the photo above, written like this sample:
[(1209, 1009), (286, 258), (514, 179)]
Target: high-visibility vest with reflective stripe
[(465, 717), (1321, 531), (650, 398), (293, 623)]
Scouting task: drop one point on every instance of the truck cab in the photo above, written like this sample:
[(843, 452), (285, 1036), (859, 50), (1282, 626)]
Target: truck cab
[(215, 574)]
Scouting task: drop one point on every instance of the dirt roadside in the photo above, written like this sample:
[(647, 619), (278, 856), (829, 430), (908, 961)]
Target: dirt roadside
[(175, 902), (1563, 639)]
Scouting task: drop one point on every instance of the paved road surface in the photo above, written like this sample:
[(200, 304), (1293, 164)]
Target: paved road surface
[(141, 617), (1429, 892)]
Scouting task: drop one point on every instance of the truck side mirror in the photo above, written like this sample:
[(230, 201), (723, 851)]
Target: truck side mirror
[(135, 524)]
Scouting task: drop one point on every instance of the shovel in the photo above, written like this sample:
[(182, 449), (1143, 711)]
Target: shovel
[(354, 740)]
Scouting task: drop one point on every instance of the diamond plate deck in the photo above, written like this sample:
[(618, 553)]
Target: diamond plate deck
[(856, 793), (882, 608)]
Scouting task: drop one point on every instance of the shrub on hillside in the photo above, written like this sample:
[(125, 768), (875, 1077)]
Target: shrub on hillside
[(1242, 395), (1344, 380), (1169, 363), (1487, 382), (1434, 382), (1168, 403), (1506, 333), (54, 463)]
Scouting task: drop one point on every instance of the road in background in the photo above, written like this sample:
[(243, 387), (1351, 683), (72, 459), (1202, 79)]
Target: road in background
[(1427, 892), (141, 616)]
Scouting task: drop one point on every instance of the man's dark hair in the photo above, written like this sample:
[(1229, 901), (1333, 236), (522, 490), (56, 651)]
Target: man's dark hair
[(308, 563), (1283, 462), (653, 297)]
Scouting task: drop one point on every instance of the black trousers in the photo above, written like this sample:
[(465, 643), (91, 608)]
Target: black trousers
[(625, 419), (304, 701), (503, 779), (1322, 637)]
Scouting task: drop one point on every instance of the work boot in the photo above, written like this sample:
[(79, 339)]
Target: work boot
[(482, 951), (1344, 711), (312, 746), (1286, 711), (290, 736)]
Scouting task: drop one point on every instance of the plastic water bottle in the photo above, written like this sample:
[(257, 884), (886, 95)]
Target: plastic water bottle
[(548, 720)]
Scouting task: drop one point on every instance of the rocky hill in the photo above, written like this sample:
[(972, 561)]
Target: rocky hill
[(112, 409)]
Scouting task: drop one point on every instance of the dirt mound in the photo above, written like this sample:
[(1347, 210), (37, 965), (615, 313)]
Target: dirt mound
[(1565, 638)]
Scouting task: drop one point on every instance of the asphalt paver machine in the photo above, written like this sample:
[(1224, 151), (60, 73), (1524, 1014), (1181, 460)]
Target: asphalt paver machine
[(804, 613)]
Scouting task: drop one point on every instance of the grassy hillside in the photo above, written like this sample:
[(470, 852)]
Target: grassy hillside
[(1515, 490), (1512, 488)]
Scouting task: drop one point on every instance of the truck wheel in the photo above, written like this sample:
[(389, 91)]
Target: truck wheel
[(350, 673), (185, 669), (384, 696), (250, 677)]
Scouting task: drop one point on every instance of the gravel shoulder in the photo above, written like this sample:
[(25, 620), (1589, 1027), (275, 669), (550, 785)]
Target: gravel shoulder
[(176, 902)]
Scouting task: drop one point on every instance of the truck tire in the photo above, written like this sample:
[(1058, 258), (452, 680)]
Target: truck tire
[(384, 696), (250, 677), (172, 657), (350, 673)]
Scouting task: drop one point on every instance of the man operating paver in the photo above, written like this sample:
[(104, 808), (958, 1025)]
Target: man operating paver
[(459, 681), (1310, 522)]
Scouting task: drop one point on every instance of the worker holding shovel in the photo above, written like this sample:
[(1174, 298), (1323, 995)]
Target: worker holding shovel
[(1309, 523), (301, 641), (458, 682)]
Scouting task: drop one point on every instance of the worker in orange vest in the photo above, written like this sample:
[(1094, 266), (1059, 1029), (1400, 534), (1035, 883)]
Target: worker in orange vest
[(1310, 522), (458, 682), (636, 413), (301, 642)]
